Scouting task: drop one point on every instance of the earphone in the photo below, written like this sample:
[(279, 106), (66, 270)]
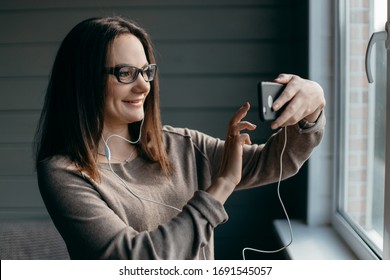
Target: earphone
[(107, 153), (281, 203), (108, 157)]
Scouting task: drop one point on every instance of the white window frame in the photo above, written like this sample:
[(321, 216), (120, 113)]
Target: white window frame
[(325, 162), (362, 248)]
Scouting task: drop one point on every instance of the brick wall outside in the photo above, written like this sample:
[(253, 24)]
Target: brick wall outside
[(358, 111)]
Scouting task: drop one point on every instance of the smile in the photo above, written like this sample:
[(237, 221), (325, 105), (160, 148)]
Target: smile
[(135, 103)]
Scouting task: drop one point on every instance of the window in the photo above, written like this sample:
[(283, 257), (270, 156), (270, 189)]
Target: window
[(361, 138)]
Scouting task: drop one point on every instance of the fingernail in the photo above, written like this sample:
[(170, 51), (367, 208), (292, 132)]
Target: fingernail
[(276, 106)]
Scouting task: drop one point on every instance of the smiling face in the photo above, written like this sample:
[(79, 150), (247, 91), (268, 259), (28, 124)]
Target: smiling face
[(124, 102)]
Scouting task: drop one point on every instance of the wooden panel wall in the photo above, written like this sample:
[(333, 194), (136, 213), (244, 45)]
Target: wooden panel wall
[(211, 54)]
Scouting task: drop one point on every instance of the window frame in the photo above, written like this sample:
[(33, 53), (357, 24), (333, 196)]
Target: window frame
[(348, 232)]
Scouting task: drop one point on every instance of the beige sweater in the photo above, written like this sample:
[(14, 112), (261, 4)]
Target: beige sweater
[(109, 220)]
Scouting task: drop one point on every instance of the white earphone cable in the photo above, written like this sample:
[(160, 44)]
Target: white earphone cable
[(281, 203), (123, 138), (108, 156), (137, 195)]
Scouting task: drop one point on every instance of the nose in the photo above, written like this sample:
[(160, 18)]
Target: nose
[(140, 85)]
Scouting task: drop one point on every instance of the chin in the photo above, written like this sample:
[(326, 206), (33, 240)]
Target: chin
[(137, 118)]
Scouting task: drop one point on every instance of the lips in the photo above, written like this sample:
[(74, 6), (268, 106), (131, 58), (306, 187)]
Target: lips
[(135, 102)]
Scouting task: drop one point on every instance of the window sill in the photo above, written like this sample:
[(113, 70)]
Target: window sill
[(312, 242)]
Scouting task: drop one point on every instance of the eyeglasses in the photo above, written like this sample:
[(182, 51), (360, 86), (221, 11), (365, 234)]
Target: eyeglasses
[(127, 74)]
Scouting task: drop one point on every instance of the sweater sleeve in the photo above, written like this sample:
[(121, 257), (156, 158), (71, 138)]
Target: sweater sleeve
[(92, 230), (261, 162)]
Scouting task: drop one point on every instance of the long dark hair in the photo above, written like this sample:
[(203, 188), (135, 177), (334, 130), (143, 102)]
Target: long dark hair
[(72, 117)]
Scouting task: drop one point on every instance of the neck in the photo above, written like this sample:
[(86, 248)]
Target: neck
[(118, 142), (122, 131), (120, 149)]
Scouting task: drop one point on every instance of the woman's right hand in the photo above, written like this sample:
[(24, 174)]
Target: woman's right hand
[(231, 167)]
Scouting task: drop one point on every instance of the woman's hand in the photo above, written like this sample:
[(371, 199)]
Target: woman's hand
[(305, 100), (231, 167)]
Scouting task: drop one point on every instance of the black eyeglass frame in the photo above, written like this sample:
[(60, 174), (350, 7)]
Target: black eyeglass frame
[(116, 71)]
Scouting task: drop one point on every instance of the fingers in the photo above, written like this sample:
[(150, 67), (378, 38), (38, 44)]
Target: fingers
[(240, 114), (244, 138), (289, 92), (291, 115), (284, 78), (231, 165), (237, 128), (303, 99), (236, 125)]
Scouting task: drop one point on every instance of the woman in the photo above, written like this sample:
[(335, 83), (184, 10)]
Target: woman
[(119, 185)]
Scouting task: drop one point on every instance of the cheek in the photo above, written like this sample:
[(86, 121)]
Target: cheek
[(110, 87), (114, 90), (110, 96)]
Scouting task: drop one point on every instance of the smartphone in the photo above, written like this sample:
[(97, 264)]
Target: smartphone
[(267, 92)]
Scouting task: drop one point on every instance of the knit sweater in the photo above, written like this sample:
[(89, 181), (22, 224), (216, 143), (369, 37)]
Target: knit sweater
[(137, 212)]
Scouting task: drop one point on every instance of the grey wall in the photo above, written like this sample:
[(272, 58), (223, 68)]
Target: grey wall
[(211, 54)]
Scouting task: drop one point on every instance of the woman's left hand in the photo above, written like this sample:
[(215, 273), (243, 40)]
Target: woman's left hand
[(305, 100)]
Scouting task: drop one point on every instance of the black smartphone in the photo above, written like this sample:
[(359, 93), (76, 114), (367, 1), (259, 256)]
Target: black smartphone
[(267, 92)]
